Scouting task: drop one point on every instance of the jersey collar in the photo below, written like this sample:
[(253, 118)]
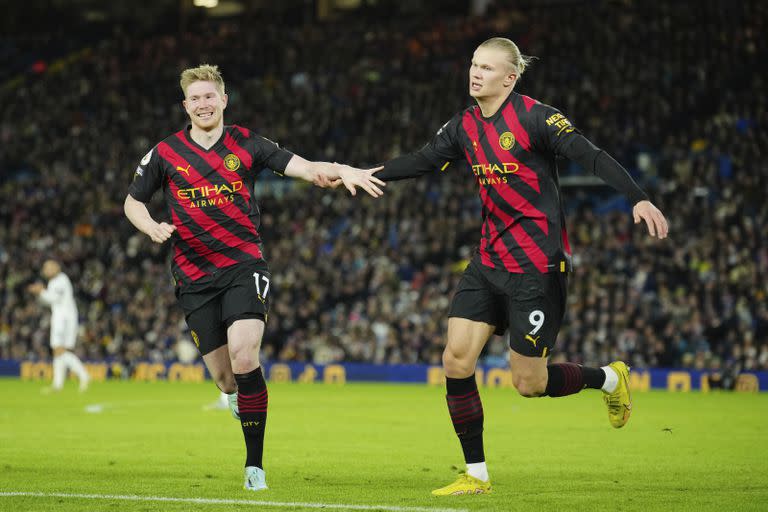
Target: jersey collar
[(492, 119), (201, 148)]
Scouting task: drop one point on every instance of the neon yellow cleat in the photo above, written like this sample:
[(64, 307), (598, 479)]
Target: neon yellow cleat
[(465, 484), (619, 402)]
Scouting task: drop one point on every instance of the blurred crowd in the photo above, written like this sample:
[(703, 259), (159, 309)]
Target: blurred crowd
[(676, 98)]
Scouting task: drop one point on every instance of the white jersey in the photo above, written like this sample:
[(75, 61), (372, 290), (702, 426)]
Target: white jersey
[(61, 298)]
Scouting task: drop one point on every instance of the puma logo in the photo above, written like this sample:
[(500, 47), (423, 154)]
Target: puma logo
[(182, 169), (532, 339)]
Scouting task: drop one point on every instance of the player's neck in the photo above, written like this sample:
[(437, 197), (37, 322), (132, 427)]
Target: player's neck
[(489, 106), (206, 138)]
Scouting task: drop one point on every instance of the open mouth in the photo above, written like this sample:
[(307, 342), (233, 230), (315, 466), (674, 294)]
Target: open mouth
[(205, 115), (475, 86)]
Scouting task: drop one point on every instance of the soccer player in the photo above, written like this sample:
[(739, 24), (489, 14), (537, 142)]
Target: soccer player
[(207, 172), (58, 295), (517, 279)]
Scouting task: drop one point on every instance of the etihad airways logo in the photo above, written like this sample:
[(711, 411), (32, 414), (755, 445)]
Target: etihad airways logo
[(492, 174), (209, 195)]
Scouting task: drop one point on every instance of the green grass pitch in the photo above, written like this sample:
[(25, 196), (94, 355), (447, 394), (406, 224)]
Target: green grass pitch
[(376, 446)]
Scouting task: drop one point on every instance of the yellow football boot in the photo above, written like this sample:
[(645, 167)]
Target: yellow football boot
[(619, 402), (465, 484)]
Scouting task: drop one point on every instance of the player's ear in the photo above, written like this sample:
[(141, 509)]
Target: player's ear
[(224, 100)]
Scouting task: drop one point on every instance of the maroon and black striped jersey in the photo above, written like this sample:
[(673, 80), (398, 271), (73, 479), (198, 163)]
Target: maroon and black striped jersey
[(210, 197), (513, 157)]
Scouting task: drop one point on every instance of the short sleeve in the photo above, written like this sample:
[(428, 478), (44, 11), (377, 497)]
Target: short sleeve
[(269, 154), (554, 130), (148, 177), (445, 146)]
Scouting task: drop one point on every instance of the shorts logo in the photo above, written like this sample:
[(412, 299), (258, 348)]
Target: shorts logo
[(506, 141), (195, 338), (532, 339), (231, 162)]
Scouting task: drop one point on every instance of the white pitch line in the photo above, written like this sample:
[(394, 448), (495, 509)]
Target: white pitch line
[(215, 501)]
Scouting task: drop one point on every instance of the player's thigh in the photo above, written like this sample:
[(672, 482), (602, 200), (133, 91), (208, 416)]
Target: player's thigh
[(535, 308), (246, 297), (245, 333), (206, 326), (63, 333), (244, 340), (476, 300)]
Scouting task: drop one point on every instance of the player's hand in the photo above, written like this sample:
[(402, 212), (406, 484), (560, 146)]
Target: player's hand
[(352, 178), (323, 180), (654, 219), (161, 232), (36, 288)]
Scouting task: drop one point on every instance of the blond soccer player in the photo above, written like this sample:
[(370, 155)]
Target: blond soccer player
[(208, 173), (516, 281)]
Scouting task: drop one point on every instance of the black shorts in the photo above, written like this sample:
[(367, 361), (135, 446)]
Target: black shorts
[(530, 306), (234, 293)]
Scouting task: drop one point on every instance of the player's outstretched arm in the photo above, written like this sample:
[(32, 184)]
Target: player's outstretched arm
[(600, 163), (137, 213), (326, 174)]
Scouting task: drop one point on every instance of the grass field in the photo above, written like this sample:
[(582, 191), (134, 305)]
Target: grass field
[(376, 447)]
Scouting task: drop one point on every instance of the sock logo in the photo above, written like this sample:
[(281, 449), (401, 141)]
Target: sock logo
[(251, 423)]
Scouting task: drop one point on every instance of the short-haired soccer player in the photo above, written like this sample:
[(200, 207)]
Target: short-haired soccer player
[(208, 172), (517, 279), (60, 297)]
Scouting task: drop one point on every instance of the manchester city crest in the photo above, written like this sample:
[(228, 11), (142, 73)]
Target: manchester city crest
[(506, 141), (231, 162)]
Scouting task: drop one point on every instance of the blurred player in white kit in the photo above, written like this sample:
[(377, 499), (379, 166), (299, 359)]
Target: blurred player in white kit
[(59, 296)]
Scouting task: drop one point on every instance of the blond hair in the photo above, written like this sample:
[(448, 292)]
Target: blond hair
[(202, 73), (518, 61)]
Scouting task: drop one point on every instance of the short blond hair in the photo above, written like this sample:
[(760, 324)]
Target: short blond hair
[(518, 61), (202, 73)]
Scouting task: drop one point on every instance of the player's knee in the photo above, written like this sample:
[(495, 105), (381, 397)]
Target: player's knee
[(456, 363), (244, 358), (529, 386)]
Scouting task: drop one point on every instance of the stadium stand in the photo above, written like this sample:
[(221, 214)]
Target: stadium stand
[(357, 279)]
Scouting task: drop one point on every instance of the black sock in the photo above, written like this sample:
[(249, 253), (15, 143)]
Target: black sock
[(569, 378), (252, 403), (466, 412)]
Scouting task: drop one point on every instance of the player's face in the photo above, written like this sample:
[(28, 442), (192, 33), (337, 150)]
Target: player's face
[(50, 269), (490, 75), (205, 105)]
